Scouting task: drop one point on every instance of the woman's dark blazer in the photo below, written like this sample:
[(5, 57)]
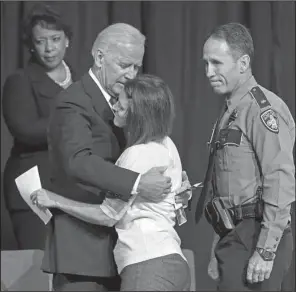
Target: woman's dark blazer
[(28, 96)]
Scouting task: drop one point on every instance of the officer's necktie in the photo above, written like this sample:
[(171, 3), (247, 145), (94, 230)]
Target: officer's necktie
[(208, 178)]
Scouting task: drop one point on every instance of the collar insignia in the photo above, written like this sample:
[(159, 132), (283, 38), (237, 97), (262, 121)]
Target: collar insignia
[(232, 118)]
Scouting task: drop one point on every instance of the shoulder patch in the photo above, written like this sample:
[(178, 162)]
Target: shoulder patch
[(259, 97), (270, 120)]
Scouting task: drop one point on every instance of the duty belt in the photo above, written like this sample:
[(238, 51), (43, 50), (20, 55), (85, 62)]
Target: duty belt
[(252, 210)]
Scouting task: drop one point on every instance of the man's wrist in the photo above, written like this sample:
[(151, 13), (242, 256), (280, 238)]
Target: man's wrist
[(266, 255)]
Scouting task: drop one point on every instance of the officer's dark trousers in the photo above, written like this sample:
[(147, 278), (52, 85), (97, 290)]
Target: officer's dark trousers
[(234, 251)]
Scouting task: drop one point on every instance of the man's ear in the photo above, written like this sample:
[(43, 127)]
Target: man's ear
[(99, 56), (244, 63)]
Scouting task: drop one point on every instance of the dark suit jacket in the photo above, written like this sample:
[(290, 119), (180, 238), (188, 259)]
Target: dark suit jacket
[(28, 96), (83, 145)]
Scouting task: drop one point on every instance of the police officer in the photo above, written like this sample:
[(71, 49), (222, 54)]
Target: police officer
[(253, 173)]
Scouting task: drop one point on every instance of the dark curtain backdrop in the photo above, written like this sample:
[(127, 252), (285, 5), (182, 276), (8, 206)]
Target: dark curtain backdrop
[(175, 34)]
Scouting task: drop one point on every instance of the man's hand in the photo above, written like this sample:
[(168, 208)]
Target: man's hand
[(184, 196), (153, 185), (213, 271), (258, 269)]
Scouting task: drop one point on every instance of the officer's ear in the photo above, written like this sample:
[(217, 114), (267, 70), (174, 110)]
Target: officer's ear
[(244, 63)]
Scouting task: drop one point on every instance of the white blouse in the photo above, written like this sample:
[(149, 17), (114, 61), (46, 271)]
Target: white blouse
[(146, 230)]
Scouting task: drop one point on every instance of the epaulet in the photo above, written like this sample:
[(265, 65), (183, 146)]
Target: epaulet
[(268, 116), (259, 97)]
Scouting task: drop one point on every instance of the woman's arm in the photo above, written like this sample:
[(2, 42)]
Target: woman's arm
[(91, 213), (108, 213), (111, 210)]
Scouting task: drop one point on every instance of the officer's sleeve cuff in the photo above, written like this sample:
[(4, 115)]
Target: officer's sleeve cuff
[(135, 187), (269, 238)]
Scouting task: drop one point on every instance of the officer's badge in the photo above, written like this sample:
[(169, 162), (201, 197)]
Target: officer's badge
[(270, 120), (232, 118)]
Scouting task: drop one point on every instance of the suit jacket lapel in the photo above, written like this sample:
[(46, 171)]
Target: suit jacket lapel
[(41, 82), (101, 106)]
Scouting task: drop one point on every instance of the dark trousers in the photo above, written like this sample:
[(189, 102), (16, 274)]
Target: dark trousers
[(29, 229), (234, 251), (69, 282), (167, 273)]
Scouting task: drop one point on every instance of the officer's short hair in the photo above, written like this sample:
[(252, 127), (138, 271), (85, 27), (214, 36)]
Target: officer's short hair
[(238, 38)]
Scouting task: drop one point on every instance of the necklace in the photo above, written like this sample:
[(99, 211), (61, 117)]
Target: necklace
[(68, 76)]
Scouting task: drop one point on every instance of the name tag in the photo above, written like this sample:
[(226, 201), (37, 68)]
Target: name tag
[(229, 137)]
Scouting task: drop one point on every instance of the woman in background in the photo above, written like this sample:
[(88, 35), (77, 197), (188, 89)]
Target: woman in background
[(147, 253), (28, 96)]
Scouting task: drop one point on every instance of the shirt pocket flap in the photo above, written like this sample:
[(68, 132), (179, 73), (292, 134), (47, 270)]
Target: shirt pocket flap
[(230, 137)]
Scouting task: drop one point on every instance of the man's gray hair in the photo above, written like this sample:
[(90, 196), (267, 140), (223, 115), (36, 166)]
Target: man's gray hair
[(117, 34)]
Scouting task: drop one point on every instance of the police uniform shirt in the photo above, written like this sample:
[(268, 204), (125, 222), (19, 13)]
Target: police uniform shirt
[(255, 148)]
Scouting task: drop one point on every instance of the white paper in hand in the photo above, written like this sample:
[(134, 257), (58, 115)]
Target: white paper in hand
[(27, 183)]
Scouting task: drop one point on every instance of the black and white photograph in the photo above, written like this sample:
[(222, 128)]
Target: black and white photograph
[(148, 146)]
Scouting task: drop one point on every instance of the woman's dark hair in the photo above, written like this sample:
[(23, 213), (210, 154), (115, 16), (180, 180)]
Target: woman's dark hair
[(151, 114), (47, 17)]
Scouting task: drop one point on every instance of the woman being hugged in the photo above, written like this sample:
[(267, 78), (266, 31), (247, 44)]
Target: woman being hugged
[(147, 253), (28, 96)]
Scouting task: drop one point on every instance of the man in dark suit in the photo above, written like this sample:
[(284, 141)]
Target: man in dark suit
[(83, 145)]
